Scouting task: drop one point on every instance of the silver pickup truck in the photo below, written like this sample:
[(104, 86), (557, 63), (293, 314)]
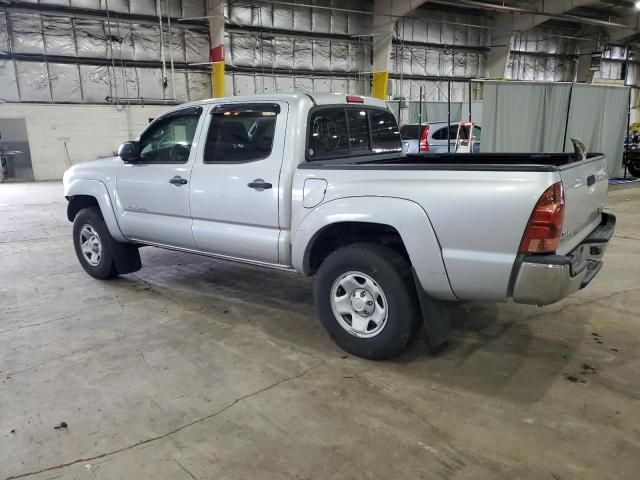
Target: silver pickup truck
[(316, 184)]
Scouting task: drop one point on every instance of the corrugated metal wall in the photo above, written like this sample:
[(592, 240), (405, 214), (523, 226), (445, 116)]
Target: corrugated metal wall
[(440, 47), (612, 64), (106, 51), (62, 56), (101, 51), (541, 55)]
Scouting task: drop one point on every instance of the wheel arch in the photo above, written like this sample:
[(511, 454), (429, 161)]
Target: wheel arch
[(400, 224), (83, 193)]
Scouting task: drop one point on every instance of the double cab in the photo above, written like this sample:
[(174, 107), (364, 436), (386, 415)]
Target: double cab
[(317, 184)]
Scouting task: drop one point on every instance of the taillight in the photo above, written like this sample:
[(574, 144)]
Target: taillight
[(355, 99), (545, 224), (424, 139)]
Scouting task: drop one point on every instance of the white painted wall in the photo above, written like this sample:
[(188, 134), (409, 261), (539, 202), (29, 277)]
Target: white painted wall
[(89, 131)]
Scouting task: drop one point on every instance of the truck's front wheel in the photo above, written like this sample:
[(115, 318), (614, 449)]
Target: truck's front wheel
[(91, 240), (366, 300)]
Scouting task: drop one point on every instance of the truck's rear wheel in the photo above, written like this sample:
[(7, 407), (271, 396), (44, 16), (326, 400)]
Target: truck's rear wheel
[(366, 300), (92, 243)]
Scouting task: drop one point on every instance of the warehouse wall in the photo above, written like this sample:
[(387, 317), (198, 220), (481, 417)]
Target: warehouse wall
[(87, 51), (89, 131), (537, 55), (111, 49)]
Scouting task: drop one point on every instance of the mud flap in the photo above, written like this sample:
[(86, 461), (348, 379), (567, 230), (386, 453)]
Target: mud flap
[(126, 257), (435, 319)]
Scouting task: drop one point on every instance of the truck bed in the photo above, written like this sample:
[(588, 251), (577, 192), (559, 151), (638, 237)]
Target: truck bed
[(530, 162), (478, 204)]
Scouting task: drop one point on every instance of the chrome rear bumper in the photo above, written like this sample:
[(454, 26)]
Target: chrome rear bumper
[(545, 279)]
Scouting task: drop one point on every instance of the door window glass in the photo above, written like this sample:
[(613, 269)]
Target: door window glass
[(464, 132), (169, 139), (477, 133), (440, 134), (384, 132), (241, 133)]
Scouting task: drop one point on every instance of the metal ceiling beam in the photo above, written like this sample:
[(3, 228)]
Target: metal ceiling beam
[(536, 12)]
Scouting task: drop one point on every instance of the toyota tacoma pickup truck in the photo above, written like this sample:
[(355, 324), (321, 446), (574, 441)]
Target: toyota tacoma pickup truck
[(316, 184)]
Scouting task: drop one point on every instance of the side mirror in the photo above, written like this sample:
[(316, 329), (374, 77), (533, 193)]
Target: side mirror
[(129, 152)]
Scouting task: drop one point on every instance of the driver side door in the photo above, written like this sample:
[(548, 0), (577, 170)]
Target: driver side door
[(152, 195)]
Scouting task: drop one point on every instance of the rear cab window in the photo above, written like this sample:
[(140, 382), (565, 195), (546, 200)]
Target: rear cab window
[(350, 131)]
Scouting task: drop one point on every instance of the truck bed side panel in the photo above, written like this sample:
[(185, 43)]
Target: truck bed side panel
[(478, 216)]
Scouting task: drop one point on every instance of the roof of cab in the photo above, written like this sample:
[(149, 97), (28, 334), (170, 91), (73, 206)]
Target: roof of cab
[(319, 98)]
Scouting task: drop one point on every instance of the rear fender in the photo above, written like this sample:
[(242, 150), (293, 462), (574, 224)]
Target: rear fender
[(407, 217), (97, 190)]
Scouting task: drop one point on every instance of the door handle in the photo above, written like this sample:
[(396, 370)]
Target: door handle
[(591, 179), (259, 184), (178, 180)]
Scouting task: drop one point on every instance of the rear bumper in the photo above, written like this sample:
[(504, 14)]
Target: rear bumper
[(545, 279)]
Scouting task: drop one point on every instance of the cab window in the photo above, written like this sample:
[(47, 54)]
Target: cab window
[(338, 132)]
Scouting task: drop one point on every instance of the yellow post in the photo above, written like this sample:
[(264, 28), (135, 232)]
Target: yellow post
[(379, 82), (217, 71), (215, 13)]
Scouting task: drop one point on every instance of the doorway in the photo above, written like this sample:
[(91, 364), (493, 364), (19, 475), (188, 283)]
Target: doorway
[(15, 157)]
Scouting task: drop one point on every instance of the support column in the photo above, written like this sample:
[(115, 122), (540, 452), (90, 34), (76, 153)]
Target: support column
[(500, 49), (386, 13), (498, 58), (382, 44), (583, 72), (215, 12)]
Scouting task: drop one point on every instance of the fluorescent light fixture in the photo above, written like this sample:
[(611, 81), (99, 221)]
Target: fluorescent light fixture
[(637, 4)]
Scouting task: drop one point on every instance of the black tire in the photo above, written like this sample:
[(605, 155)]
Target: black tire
[(105, 268), (634, 168), (392, 274)]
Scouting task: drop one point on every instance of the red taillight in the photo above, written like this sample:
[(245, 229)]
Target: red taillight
[(545, 224), (424, 139), (354, 99)]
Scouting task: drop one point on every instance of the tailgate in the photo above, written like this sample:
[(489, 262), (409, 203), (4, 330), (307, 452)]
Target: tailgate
[(585, 192)]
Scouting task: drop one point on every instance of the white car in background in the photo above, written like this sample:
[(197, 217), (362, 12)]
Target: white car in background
[(432, 137)]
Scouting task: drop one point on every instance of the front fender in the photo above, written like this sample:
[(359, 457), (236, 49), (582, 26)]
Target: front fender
[(407, 217), (97, 190)]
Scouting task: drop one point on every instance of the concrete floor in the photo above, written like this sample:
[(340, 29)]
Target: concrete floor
[(198, 369)]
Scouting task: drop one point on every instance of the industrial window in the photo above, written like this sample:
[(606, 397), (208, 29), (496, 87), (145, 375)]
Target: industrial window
[(168, 140), (338, 132), (241, 133)]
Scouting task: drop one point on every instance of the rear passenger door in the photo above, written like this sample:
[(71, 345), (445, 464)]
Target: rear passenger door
[(235, 191)]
